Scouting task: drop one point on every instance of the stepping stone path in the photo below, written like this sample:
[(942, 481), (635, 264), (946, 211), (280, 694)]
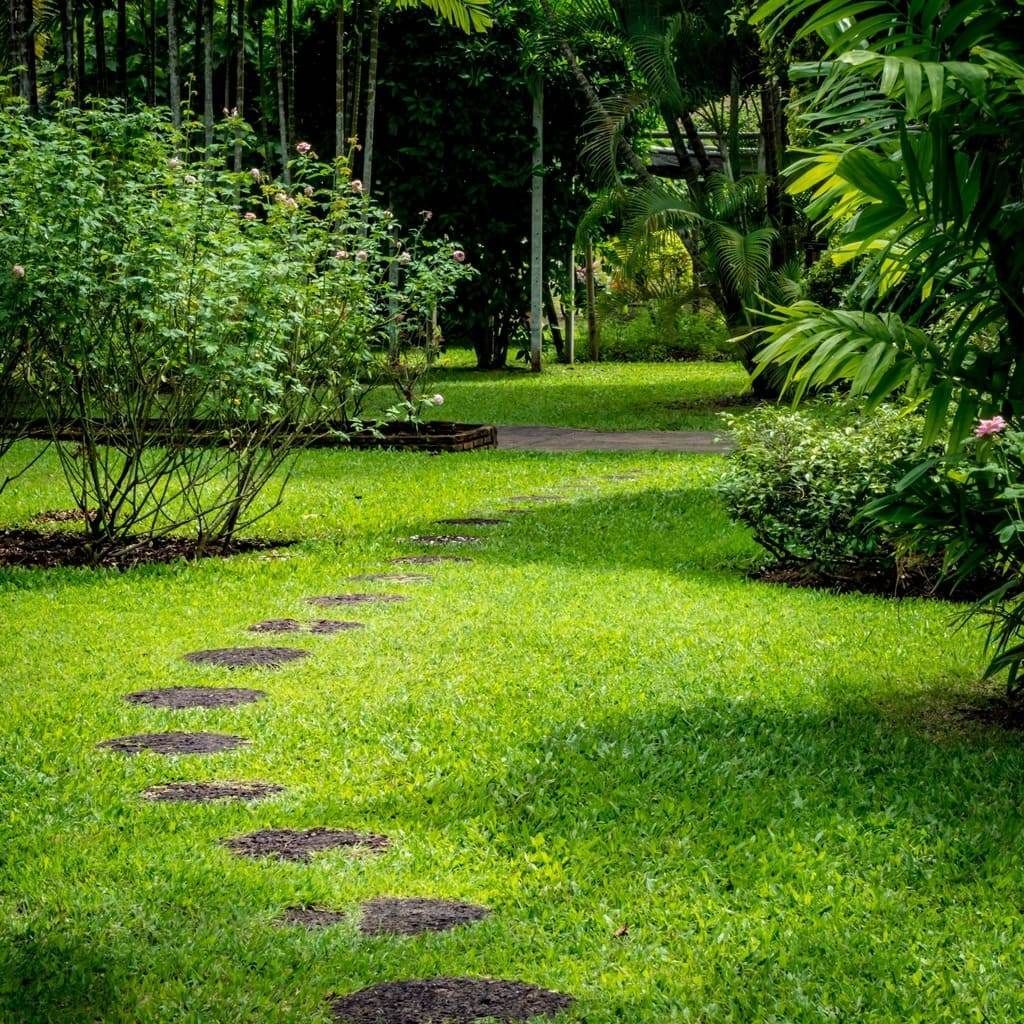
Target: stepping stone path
[(300, 844), (208, 792), (388, 916), (430, 1001), (247, 657), (333, 600), (440, 539), (319, 627), (172, 743), (447, 1001), (178, 698)]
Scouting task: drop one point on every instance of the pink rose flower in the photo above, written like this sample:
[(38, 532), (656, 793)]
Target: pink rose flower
[(459, 256), (985, 428), (256, 175), (437, 400), (250, 215), (356, 185), (18, 271), (340, 254), (308, 191), (174, 163), (362, 255), (304, 148)]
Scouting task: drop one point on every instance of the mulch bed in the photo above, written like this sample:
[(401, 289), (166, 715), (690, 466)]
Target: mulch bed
[(321, 627), (998, 711), (180, 697), (429, 559), (62, 515), (433, 436), (300, 844), (247, 657), (441, 539), (921, 584), (54, 549), (392, 577), (447, 1001), (472, 521), (208, 792), (332, 600), (388, 916), (311, 917), (171, 743)]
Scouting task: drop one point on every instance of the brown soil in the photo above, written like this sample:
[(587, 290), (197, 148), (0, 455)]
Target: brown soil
[(440, 539), (318, 626), (180, 697), (472, 521), (910, 584), (62, 515), (54, 549), (333, 600), (171, 743), (429, 559), (392, 577), (447, 1001), (997, 711), (246, 657), (207, 792), (416, 916), (300, 844), (311, 917)]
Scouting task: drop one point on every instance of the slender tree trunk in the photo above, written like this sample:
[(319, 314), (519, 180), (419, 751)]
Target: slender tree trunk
[(371, 95), (67, 39), (100, 44), (173, 77), (289, 33), (153, 44), (207, 6), (357, 75), (570, 308), (675, 134), (696, 143), (261, 60), (282, 105), (593, 327), (122, 49), (27, 55), (734, 120), (80, 51), (339, 80), (229, 51), (553, 322), (240, 80), (537, 232)]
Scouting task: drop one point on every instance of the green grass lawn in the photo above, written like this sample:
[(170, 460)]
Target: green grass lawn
[(600, 396), (599, 724)]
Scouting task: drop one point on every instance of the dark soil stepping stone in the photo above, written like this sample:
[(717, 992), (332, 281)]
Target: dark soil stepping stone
[(328, 627), (393, 577), (171, 743), (300, 844), (207, 792), (447, 1001), (334, 600), (472, 521), (276, 626), (180, 697), (416, 916), (312, 917), (439, 539), (247, 657), (318, 626), (430, 559)]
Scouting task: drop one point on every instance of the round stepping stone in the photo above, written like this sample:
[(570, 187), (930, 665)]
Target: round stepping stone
[(328, 627), (208, 792), (318, 626), (247, 657), (472, 521), (276, 626), (416, 916), (447, 1001), (300, 844), (311, 917), (180, 697), (334, 600), (393, 577), (429, 559), (440, 539), (172, 743)]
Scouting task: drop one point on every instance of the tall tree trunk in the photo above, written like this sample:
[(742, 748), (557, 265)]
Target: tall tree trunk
[(153, 44), (675, 134), (122, 49), (282, 105), (339, 80), (734, 120), (67, 39), (100, 45), (371, 95), (79, 51), (696, 143), (537, 231), (570, 308), (593, 327), (261, 78), (357, 71), (23, 17), (229, 51), (173, 75), (240, 80), (553, 323), (207, 6), (289, 34)]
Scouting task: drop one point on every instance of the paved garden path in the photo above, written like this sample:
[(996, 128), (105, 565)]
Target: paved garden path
[(566, 439)]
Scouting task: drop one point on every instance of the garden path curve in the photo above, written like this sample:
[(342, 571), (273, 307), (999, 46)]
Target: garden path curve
[(568, 439)]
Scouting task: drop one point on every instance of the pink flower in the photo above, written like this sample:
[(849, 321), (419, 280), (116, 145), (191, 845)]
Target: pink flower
[(405, 258), (18, 271), (426, 214), (174, 163), (362, 255), (356, 185), (304, 148), (256, 175), (459, 256), (437, 400), (340, 254), (996, 425), (308, 191), (250, 215)]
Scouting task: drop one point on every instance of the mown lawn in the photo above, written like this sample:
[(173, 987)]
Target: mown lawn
[(598, 396), (600, 724)]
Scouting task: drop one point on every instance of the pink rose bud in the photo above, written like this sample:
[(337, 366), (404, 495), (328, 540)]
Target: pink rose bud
[(340, 254), (18, 270), (459, 256), (304, 148), (356, 185), (250, 215)]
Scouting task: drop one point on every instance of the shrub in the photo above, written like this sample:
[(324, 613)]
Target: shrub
[(801, 481), (658, 330)]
